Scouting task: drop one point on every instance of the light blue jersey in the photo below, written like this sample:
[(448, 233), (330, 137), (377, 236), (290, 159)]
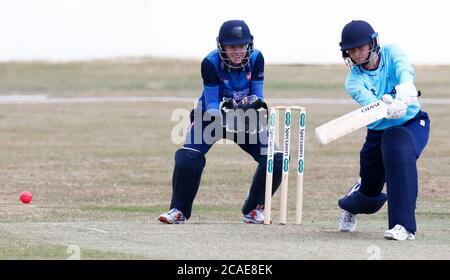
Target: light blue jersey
[(366, 86)]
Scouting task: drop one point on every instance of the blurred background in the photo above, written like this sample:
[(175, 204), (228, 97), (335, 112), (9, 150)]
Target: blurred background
[(286, 31)]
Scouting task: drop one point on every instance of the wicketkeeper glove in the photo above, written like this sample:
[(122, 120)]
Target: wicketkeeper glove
[(252, 102), (236, 117), (228, 104)]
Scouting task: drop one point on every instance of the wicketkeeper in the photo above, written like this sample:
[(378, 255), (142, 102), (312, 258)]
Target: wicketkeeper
[(231, 106), (393, 144)]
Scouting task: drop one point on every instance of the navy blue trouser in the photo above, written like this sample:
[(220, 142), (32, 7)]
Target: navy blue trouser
[(387, 159), (202, 137), (202, 134)]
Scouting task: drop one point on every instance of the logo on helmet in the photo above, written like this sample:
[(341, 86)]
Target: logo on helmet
[(236, 32)]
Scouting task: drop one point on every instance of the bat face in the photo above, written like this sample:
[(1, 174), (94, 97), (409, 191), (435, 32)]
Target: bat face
[(350, 122)]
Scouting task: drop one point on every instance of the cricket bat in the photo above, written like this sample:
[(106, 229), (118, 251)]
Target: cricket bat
[(350, 122)]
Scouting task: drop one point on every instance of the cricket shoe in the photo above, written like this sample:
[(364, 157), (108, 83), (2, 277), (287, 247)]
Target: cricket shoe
[(347, 223), (256, 216), (399, 232), (174, 216)]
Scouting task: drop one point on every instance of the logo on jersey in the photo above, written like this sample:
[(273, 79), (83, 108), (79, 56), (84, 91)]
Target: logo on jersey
[(239, 94), (249, 76)]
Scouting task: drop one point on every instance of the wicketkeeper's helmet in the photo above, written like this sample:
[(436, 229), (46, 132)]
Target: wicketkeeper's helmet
[(235, 32)]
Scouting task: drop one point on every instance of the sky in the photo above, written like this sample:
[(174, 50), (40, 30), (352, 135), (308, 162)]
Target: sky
[(285, 31)]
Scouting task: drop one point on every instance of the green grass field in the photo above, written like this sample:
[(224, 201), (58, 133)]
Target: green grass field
[(100, 173)]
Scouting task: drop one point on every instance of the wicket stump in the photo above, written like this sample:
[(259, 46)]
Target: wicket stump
[(286, 158)]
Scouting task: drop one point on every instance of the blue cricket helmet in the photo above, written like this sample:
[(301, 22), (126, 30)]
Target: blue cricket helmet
[(355, 34), (235, 32)]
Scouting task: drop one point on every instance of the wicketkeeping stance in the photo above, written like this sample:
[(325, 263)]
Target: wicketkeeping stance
[(393, 144), (233, 76)]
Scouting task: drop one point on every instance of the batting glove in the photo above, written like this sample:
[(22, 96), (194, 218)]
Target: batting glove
[(396, 108), (406, 92)]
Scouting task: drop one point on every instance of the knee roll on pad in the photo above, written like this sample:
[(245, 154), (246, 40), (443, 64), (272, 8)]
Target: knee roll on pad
[(190, 159), (357, 203)]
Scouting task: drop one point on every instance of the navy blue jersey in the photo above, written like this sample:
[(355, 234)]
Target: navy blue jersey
[(219, 81)]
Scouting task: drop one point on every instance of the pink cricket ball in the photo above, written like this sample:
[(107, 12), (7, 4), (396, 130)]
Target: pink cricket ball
[(26, 197)]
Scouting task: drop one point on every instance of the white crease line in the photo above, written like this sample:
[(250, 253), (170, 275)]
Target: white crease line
[(21, 98), (43, 99), (90, 228), (75, 226)]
